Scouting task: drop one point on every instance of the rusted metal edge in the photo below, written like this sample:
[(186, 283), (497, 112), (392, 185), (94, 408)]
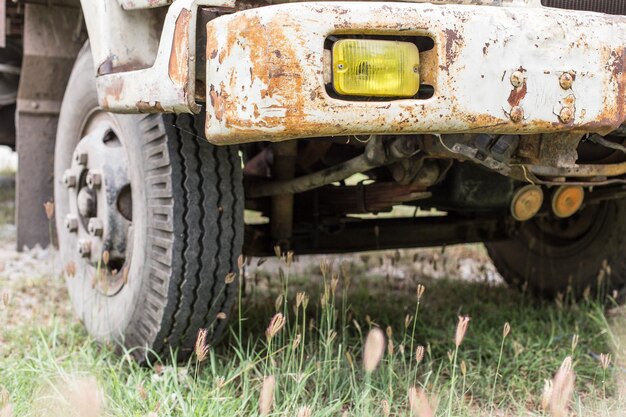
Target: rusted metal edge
[(265, 71), (169, 84)]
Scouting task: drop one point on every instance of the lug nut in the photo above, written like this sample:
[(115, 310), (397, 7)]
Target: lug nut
[(567, 200), (517, 114), (80, 158), (95, 227), (69, 179), (84, 248), (94, 179), (71, 223), (526, 202), (517, 79), (566, 115), (566, 80)]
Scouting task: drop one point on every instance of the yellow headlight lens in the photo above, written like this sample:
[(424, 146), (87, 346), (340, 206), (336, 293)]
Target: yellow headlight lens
[(365, 67)]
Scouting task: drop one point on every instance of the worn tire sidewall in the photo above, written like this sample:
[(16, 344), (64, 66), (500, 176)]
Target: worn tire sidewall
[(106, 318)]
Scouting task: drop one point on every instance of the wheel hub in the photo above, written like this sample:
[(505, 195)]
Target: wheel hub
[(99, 195)]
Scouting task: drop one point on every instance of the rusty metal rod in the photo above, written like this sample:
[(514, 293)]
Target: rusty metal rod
[(377, 153)]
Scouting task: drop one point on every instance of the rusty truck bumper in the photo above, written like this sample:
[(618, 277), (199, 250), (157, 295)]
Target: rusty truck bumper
[(493, 69)]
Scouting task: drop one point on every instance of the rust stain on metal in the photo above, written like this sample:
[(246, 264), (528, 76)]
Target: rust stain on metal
[(218, 102), (113, 92), (453, 45), (517, 95), (179, 56), (145, 107)]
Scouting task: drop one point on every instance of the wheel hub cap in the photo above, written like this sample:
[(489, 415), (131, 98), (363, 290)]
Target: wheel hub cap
[(100, 204)]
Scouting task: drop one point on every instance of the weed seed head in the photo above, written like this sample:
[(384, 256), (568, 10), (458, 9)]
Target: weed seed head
[(278, 303), (374, 349), (296, 341), (275, 326), (304, 411), (605, 360), (506, 330), (49, 209), (267, 395), (562, 389), (461, 329), (230, 278), (202, 348), (420, 291), (384, 404), (419, 404)]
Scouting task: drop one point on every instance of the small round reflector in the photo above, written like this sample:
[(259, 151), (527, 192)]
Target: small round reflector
[(526, 202), (567, 200)]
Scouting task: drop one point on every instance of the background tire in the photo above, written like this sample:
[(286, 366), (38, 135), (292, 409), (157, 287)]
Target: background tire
[(182, 237), (549, 254)]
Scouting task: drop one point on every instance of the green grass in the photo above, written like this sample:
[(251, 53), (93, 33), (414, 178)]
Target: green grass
[(47, 360)]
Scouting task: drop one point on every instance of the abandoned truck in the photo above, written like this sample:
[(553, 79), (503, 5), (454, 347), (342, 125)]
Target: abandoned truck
[(154, 124)]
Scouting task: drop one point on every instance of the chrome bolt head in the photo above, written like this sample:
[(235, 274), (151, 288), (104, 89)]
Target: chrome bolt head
[(95, 227), (94, 179), (80, 158), (69, 179), (71, 223), (84, 248)]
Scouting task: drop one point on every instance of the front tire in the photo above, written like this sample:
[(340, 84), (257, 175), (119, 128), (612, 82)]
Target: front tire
[(551, 254), (168, 210)]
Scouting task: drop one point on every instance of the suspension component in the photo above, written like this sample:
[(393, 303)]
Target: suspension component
[(567, 200), (526, 202)]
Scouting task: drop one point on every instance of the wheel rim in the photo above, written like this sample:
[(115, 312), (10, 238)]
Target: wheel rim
[(99, 205)]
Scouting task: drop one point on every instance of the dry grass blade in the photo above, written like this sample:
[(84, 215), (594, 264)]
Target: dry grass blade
[(373, 350), (266, 398)]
